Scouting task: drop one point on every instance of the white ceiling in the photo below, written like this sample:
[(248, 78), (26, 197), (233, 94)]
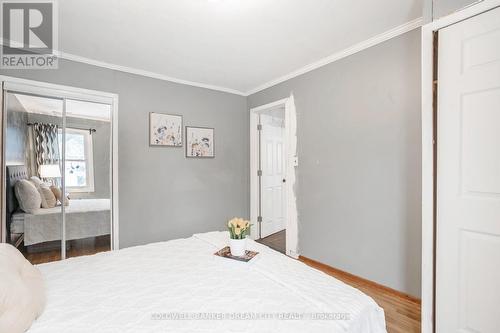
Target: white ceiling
[(54, 107), (233, 44)]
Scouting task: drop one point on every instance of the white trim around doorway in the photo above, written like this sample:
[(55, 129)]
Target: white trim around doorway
[(291, 158)]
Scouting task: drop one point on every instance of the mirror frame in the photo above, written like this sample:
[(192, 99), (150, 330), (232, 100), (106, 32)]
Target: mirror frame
[(8, 83)]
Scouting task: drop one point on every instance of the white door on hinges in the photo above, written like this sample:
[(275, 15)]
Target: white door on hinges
[(273, 171), (468, 176)]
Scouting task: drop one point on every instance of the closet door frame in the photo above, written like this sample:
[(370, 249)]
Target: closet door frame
[(430, 33), (66, 92), (3, 222)]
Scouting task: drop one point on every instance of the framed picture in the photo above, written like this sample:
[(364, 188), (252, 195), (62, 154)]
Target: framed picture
[(165, 130), (200, 142)]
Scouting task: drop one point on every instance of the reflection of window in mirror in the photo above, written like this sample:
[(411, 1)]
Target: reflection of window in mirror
[(79, 170)]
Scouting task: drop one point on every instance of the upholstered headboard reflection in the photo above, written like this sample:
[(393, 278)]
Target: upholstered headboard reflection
[(13, 174)]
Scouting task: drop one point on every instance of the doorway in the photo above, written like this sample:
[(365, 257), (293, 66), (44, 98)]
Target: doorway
[(272, 178), (273, 162)]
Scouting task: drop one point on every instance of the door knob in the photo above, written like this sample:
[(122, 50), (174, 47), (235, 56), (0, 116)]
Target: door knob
[(284, 180)]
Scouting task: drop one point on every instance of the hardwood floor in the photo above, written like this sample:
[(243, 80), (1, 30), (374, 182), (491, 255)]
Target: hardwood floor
[(402, 312), (81, 247), (276, 241)]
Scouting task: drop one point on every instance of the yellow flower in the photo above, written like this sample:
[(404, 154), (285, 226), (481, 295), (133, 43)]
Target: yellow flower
[(240, 225), (232, 222)]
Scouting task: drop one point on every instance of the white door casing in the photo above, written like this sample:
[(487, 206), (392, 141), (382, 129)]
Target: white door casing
[(468, 176), (273, 174), (290, 156)]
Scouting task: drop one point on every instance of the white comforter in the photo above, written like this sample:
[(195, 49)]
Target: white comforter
[(84, 218), (150, 288)]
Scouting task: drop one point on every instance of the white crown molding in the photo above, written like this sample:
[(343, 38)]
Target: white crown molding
[(76, 58), (404, 28), (399, 30), (130, 70)]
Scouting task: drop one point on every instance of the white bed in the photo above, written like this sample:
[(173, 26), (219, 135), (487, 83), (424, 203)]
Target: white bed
[(136, 289), (84, 218)]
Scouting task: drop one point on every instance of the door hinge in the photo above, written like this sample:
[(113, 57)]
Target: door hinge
[(259, 218), (259, 127), (259, 173)]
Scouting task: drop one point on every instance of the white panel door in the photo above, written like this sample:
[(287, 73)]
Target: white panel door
[(468, 177), (273, 175)]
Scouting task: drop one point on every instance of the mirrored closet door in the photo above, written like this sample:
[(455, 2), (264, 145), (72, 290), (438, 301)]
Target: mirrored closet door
[(87, 177), (57, 174)]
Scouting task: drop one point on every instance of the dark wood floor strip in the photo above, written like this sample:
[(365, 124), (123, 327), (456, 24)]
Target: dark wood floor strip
[(276, 241), (77, 248)]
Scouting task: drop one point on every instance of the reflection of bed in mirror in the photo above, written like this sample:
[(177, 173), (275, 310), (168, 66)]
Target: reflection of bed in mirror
[(84, 217)]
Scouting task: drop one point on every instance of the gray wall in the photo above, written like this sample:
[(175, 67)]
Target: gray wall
[(359, 153), (444, 7), (101, 149), (16, 133), (162, 194)]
